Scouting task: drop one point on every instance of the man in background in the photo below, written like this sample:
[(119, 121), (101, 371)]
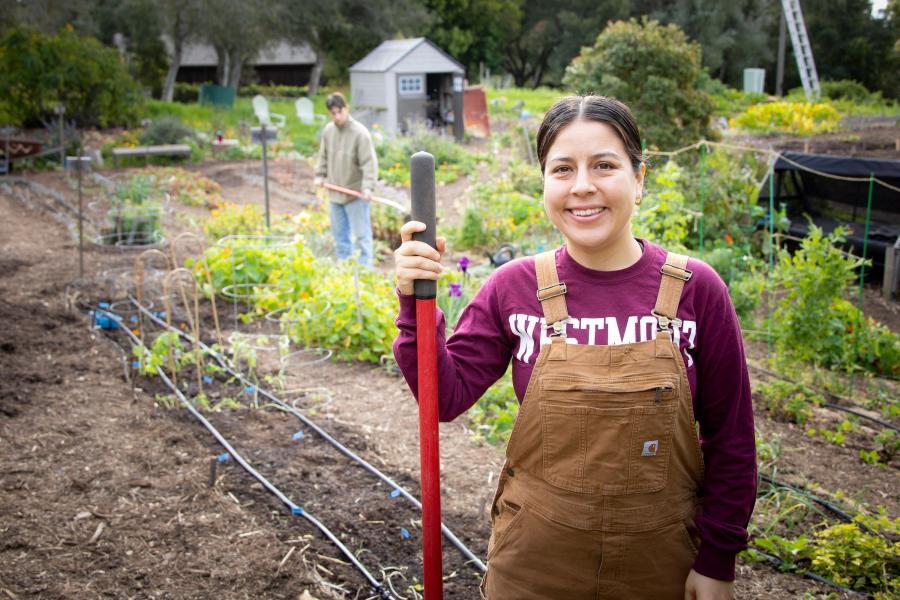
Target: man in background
[(347, 158)]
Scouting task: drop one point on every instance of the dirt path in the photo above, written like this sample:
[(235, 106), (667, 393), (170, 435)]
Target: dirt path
[(104, 493)]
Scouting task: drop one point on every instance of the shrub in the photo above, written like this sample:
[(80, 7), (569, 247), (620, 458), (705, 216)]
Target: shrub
[(234, 219), (39, 72), (166, 131), (851, 557), (497, 213), (813, 321), (795, 118), (451, 160), (271, 90), (845, 89), (187, 187), (654, 69)]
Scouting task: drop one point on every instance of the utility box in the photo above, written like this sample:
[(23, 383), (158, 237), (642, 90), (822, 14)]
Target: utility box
[(754, 80), (217, 95)]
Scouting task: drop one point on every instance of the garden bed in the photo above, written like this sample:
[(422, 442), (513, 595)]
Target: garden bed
[(106, 492)]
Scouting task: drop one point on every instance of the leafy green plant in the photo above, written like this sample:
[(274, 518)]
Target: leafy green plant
[(869, 456), (495, 412), (791, 552), (890, 444), (526, 178), (862, 561), (355, 316), (166, 351), (789, 402), (234, 219), (768, 451), (135, 215), (813, 321), (664, 216), (187, 187), (860, 555)]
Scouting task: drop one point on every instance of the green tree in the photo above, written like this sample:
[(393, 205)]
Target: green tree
[(39, 72), (342, 32), (849, 43), (181, 21), (734, 34), (652, 68), (549, 35), (238, 30), (474, 32)]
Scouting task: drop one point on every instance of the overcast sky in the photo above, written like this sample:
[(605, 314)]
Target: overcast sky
[(878, 6)]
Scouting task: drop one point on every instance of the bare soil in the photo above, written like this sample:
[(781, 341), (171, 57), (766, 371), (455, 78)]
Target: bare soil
[(104, 492)]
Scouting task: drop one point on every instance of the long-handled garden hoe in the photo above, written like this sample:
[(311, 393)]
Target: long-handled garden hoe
[(422, 190), (348, 191)]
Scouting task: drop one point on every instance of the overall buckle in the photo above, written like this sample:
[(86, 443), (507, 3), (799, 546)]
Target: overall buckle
[(551, 291), (665, 323)]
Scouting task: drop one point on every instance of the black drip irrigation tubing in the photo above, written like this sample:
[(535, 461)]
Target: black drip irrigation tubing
[(395, 487), (810, 575), (830, 405), (294, 508), (842, 515)]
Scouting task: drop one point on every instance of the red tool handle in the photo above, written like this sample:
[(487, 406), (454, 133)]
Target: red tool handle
[(343, 190), (422, 191)]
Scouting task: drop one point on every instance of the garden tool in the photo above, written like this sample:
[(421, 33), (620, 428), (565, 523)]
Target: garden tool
[(349, 192), (504, 254), (422, 190)]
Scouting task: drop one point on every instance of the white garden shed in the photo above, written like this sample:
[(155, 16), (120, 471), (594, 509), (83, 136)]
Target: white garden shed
[(405, 81)]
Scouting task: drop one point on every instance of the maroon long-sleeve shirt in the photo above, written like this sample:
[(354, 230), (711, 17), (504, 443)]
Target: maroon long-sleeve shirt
[(504, 322)]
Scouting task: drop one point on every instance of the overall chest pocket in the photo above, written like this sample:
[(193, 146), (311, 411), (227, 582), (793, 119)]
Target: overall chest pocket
[(610, 437)]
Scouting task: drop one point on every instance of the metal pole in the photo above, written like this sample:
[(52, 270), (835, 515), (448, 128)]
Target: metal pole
[(422, 190), (771, 252), (782, 47), (862, 268), (265, 172), (80, 223), (62, 136), (702, 192)]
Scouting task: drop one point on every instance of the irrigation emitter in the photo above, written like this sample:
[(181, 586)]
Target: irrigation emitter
[(422, 191)]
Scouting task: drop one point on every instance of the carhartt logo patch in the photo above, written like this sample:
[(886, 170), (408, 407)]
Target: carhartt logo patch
[(650, 448)]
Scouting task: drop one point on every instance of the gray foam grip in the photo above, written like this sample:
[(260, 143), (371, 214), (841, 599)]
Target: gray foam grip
[(422, 191)]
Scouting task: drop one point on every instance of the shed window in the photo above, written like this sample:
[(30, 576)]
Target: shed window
[(412, 85)]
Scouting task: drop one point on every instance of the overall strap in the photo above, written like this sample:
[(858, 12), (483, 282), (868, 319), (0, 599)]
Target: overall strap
[(674, 275), (551, 293)]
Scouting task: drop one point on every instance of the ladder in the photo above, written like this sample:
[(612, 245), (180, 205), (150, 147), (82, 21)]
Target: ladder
[(793, 16)]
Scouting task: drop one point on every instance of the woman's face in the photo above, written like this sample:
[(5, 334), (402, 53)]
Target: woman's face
[(590, 189)]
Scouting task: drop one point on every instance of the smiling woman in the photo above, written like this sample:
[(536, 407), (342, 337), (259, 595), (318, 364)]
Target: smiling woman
[(618, 349), (592, 183)]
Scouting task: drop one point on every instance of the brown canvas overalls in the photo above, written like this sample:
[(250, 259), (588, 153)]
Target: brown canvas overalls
[(599, 490)]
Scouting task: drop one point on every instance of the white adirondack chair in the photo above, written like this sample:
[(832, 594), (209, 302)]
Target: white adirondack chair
[(305, 112), (261, 108)]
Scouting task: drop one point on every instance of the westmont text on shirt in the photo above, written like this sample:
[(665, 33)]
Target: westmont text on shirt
[(532, 330)]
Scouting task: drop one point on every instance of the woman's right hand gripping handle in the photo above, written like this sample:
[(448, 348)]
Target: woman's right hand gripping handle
[(416, 260)]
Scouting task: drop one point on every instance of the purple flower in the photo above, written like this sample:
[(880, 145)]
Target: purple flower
[(463, 263), (456, 290)]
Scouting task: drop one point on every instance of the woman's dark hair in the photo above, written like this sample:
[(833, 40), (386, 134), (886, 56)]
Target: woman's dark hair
[(335, 100), (591, 108)]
